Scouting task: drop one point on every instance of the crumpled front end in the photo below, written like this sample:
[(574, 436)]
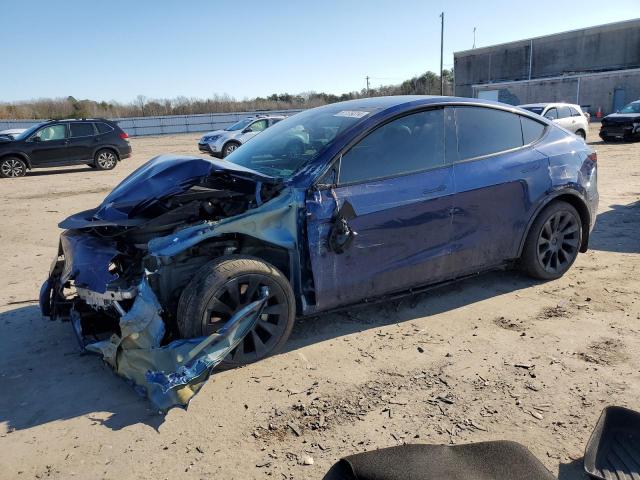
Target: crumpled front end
[(120, 295)]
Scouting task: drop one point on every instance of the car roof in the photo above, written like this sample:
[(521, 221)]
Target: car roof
[(549, 104)]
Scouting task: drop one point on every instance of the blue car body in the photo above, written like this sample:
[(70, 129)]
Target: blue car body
[(400, 232)]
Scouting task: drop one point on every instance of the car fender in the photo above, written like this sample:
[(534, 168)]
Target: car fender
[(547, 199)]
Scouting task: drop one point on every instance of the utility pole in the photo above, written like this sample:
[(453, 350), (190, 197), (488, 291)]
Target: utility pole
[(441, 51), (367, 77), (474, 37)]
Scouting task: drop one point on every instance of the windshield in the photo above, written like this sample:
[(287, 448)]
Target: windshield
[(239, 125), (537, 110), (631, 108), (28, 132), (284, 148)]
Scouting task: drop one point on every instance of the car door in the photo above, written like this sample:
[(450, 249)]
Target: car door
[(48, 145), (499, 178), (82, 141), (253, 129), (386, 225)]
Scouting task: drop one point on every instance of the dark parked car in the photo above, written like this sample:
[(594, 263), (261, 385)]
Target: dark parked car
[(388, 195), (96, 142), (622, 125)]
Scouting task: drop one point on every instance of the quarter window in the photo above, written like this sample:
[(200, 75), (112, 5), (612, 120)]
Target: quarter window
[(52, 132), (531, 130), (483, 131), (81, 130), (408, 144), (103, 128)]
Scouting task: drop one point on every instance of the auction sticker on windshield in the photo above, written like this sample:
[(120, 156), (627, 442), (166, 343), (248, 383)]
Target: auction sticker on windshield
[(351, 114)]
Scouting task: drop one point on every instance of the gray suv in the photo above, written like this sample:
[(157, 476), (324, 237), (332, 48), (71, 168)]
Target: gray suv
[(221, 143)]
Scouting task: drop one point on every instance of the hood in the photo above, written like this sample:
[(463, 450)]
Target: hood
[(215, 132), (5, 138), (160, 178)]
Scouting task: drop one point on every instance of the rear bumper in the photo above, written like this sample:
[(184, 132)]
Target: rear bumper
[(125, 152)]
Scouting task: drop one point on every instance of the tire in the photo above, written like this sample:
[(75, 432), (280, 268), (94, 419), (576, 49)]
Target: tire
[(105, 159), (229, 147), (582, 134), (12, 167), (553, 242), (222, 287)]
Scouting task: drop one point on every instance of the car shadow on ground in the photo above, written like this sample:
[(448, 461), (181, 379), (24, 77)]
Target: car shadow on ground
[(572, 471), (617, 229), (44, 172), (44, 378), (432, 302)]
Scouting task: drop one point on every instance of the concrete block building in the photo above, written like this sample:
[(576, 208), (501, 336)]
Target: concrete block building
[(596, 67)]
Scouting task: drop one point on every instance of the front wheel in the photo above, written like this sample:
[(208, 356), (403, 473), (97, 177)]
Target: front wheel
[(223, 287), (105, 160), (229, 147), (12, 167), (553, 242)]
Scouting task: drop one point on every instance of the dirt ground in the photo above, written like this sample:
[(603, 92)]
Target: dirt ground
[(495, 357)]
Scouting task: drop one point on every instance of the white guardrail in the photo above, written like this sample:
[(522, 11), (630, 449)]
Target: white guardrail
[(163, 125)]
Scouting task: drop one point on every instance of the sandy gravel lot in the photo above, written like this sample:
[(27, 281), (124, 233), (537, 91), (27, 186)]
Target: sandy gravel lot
[(435, 368)]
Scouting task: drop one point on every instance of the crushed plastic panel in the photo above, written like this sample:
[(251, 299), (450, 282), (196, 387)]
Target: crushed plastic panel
[(169, 375)]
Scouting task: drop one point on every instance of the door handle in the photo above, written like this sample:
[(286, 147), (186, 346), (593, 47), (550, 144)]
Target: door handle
[(439, 188)]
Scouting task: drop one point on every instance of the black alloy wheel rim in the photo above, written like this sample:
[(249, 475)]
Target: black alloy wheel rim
[(558, 242), (234, 295)]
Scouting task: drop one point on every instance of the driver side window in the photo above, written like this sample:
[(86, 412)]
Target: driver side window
[(52, 132), (552, 114), (258, 126), (408, 144)]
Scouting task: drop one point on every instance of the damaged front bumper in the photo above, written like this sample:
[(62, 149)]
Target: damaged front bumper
[(82, 288)]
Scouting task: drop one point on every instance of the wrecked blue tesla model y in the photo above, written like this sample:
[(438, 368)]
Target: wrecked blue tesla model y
[(190, 262)]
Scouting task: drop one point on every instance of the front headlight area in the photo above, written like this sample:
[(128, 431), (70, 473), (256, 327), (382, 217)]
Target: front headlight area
[(210, 138)]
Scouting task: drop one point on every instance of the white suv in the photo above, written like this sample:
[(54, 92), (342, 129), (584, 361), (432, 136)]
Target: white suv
[(567, 115), (221, 143)]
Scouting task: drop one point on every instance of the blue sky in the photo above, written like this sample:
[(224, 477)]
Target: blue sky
[(115, 50)]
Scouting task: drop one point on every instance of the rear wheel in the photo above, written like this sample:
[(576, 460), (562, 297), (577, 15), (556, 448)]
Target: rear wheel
[(553, 242), (12, 167), (223, 287), (105, 160)]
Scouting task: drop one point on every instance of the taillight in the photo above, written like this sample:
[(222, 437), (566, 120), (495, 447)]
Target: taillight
[(123, 135), (593, 157)]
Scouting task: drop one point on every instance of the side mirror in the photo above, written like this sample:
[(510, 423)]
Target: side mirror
[(246, 130), (35, 139)]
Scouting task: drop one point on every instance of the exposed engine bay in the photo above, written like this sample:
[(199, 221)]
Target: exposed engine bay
[(122, 266)]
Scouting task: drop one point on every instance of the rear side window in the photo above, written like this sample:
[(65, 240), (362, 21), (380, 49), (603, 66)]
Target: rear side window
[(564, 112), (82, 130), (483, 131), (408, 144), (103, 128), (531, 130)]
